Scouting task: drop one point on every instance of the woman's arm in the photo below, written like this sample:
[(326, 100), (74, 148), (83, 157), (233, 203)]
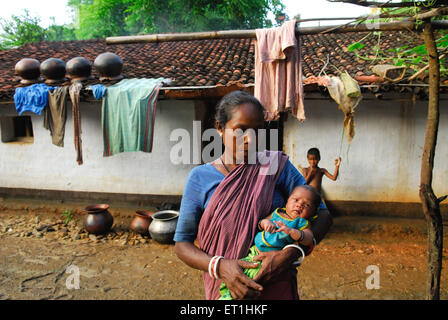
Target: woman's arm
[(239, 285), (321, 225)]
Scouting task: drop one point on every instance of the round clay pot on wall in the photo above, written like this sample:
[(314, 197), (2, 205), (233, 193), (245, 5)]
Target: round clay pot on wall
[(79, 68), (53, 70), (28, 69), (98, 219), (109, 66)]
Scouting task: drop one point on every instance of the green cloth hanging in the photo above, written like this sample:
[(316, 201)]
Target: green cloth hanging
[(128, 114)]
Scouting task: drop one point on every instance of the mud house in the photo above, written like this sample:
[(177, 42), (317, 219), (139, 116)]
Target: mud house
[(380, 171)]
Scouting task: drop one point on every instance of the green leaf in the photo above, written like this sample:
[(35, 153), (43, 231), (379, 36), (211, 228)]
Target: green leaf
[(399, 63), (355, 46)]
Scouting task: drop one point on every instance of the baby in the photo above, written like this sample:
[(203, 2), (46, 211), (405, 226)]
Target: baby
[(284, 226)]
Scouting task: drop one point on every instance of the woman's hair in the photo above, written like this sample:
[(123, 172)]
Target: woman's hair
[(314, 152), (230, 101)]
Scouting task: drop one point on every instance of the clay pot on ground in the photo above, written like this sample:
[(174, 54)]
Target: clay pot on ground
[(79, 68), (163, 226), (109, 66), (98, 219), (53, 70), (28, 69), (141, 222)]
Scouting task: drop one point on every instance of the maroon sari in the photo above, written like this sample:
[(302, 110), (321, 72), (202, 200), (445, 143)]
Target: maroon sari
[(229, 223)]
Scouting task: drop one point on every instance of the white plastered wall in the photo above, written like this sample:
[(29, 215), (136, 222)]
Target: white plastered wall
[(41, 165), (384, 159)]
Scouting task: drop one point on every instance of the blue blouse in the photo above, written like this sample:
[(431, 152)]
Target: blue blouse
[(203, 181)]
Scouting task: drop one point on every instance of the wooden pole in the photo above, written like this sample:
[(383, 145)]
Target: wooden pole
[(391, 26), (430, 203)]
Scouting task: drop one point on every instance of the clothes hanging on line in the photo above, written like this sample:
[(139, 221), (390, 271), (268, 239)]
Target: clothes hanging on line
[(98, 90), (55, 114), (278, 71), (74, 92), (128, 115), (33, 98)]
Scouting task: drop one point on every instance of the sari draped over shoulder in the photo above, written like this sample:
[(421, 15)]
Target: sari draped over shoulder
[(229, 222)]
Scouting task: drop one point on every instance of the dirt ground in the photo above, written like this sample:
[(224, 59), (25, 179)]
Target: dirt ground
[(33, 265)]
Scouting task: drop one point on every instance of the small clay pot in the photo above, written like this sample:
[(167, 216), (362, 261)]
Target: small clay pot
[(141, 222), (53, 70), (98, 219), (79, 68), (28, 69), (109, 66)]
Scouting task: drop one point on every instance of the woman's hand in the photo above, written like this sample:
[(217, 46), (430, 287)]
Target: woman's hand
[(274, 263), (239, 285)]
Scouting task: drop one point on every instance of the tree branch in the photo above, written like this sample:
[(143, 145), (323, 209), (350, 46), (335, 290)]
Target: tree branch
[(390, 4)]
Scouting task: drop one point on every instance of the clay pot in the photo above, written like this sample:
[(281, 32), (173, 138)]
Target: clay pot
[(28, 69), (53, 70), (163, 226), (98, 219), (109, 66), (79, 68), (141, 222)]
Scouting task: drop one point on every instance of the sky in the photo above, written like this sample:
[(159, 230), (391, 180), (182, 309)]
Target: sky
[(62, 14)]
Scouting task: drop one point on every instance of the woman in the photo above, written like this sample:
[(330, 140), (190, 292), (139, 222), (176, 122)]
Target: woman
[(223, 202)]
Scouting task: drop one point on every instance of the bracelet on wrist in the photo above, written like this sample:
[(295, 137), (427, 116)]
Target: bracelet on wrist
[(213, 266), (302, 235), (296, 263)]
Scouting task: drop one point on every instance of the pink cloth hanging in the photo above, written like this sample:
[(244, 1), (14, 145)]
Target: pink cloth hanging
[(278, 71)]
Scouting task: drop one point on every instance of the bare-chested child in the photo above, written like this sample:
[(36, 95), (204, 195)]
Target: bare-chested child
[(313, 174)]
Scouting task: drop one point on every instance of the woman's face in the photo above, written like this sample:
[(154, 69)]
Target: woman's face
[(236, 134)]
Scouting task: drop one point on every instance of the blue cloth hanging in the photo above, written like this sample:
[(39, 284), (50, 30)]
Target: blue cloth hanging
[(33, 98), (98, 91)]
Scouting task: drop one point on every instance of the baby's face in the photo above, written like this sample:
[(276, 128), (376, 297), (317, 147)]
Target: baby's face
[(300, 204)]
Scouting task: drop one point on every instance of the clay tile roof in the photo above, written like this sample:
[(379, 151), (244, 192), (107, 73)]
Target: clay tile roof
[(219, 62)]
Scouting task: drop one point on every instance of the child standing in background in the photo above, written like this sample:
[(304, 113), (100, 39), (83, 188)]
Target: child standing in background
[(313, 174)]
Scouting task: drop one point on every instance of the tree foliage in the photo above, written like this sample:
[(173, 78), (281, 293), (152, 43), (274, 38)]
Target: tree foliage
[(103, 18), (412, 57), (24, 28)]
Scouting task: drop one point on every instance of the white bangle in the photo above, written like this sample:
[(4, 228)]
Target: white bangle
[(210, 266), (296, 263), (215, 267)]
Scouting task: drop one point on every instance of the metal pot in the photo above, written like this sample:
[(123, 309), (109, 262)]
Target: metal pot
[(141, 222), (163, 226), (98, 219)]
